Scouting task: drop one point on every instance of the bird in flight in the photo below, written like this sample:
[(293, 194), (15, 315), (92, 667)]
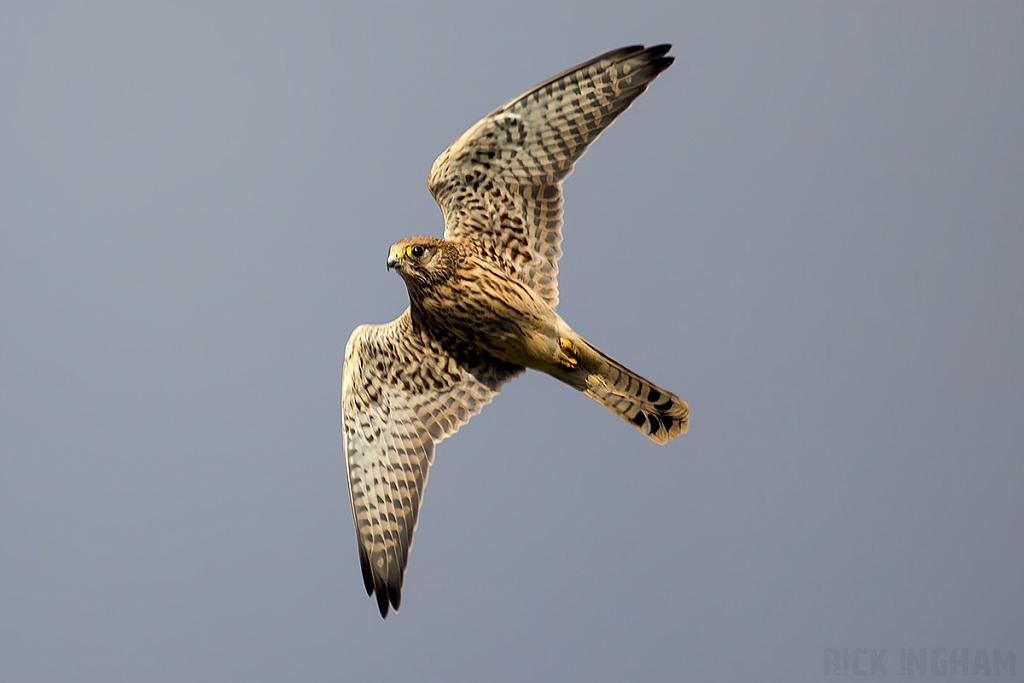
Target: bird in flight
[(482, 305)]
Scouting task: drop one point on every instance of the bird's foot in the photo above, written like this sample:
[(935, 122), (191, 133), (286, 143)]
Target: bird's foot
[(571, 355)]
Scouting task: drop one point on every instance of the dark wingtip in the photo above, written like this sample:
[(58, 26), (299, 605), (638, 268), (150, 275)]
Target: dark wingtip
[(382, 602), (388, 596), (364, 564), (659, 50), (655, 53), (659, 61)]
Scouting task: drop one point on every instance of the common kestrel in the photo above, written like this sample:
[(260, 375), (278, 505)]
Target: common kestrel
[(481, 305)]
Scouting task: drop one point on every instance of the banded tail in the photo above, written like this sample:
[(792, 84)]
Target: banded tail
[(659, 414)]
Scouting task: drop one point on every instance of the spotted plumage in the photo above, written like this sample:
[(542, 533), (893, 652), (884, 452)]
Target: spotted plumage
[(481, 305)]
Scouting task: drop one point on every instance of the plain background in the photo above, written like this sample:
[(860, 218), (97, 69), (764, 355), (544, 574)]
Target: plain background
[(811, 228)]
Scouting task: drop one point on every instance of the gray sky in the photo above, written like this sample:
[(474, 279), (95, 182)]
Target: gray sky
[(810, 228)]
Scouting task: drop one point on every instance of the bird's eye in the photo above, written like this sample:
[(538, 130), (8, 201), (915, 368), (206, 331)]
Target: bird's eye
[(416, 251)]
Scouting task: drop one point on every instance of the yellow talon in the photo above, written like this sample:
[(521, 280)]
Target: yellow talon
[(571, 359)]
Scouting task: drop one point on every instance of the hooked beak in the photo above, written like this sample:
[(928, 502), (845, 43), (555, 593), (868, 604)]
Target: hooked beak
[(392, 261)]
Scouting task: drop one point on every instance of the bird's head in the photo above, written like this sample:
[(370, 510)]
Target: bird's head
[(421, 260)]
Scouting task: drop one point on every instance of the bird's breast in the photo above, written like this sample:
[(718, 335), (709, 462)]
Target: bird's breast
[(492, 311)]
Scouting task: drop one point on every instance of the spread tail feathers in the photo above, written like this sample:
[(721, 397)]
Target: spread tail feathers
[(658, 414)]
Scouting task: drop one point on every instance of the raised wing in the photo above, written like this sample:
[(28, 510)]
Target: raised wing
[(402, 391), (500, 183)]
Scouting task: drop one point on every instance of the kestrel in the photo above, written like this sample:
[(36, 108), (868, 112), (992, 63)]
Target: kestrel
[(482, 305)]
